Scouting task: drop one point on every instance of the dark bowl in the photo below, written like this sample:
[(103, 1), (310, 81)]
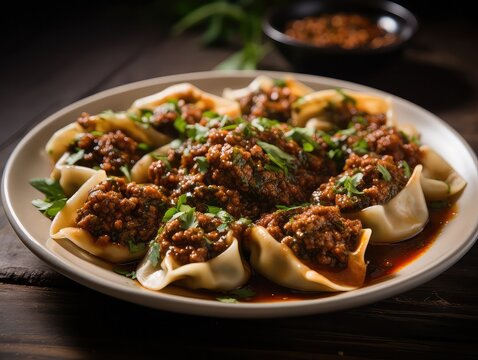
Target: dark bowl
[(336, 60)]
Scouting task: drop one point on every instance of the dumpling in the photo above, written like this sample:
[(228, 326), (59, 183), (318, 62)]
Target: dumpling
[(381, 193), (139, 172), (205, 253), (264, 83), (310, 249), (191, 95), (62, 139), (269, 98), (107, 217), (313, 110), (439, 180), (402, 217)]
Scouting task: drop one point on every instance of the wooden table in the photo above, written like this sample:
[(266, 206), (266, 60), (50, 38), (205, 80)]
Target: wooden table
[(45, 315)]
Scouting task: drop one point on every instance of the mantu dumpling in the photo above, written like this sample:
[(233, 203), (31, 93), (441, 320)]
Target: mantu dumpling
[(172, 109), (309, 248), (195, 250), (269, 98), (97, 126), (439, 180), (381, 193), (332, 109), (106, 216)]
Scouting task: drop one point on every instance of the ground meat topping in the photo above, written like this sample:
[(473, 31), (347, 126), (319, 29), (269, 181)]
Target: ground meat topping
[(274, 103), (366, 180), (109, 151), (204, 238), (164, 116), (122, 213), (318, 235)]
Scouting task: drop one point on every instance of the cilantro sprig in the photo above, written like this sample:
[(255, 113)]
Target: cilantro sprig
[(303, 136), (348, 184), (385, 173), (278, 157), (55, 197), (183, 212), (233, 296)]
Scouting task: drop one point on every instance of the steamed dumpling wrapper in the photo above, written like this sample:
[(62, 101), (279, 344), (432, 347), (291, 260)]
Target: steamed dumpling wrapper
[(310, 110), (195, 250), (439, 180), (201, 99), (402, 217), (115, 244), (105, 122), (309, 237)]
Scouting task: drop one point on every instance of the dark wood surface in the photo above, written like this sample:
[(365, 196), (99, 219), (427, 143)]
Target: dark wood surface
[(45, 315)]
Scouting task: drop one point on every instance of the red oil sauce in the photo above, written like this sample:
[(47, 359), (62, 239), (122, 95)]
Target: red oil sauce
[(383, 261)]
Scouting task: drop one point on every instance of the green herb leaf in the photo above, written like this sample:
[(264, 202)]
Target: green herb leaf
[(164, 159), (182, 199), (262, 123), (214, 210), (287, 208), (303, 136), (308, 147), (135, 248), (349, 184), (125, 170), (280, 83), (359, 119), (439, 204), (188, 219), (279, 157), (169, 214), (203, 164), (124, 272), (49, 187), (360, 147), (197, 132), (406, 168), (75, 157), (346, 98), (384, 171), (154, 253), (347, 132), (180, 125), (97, 133), (244, 292), (55, 207), (144, 147)]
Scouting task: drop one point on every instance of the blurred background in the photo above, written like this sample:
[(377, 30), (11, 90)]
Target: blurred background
[(66, 51)]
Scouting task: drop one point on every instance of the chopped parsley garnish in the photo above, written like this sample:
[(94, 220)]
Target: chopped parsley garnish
[(135, 247), (203, 164), (439, 204), (124, 272), (180, 125), (210, 114), (360, 147), (143, 119), (348, 184), (303, 136), (280, 83), (262, 123), (75, 157), (221, 214), (144, 147), (384, 171), (55, 198), (359, 119), (185, 213), (277, 156), (233, 295), (406, 168), (347, 132), (346, 98), (197, 132), (154, 253), (125, 170), (287, 208), (163, 158), (97, 133)]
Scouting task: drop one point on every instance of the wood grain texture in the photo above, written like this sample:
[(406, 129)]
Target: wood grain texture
[(44, 315)]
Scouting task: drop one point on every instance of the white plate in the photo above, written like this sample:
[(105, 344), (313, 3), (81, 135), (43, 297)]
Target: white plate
[(29, 160)]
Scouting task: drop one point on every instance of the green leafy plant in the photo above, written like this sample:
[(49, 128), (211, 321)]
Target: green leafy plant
[(229, 21)]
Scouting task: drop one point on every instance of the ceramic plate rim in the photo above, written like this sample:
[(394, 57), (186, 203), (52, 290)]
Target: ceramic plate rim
[(195, 306)]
